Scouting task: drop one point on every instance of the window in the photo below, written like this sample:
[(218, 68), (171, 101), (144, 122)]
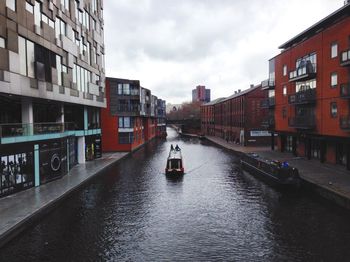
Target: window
[(60, 28), (284, 90), (334, 109), (126, 138), (26, 57), (59, 70), (37, 13), (126, 122), (334, 79), (2, 42), (65, 4), (284, 70), (29, 8), (11, 4), (303, 86), (81, 77), (334, 50)]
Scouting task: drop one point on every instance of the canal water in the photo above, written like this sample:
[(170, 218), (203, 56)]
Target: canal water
[(134, 212)]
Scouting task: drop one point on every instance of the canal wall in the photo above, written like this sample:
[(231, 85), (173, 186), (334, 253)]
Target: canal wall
[(19, 211), (328, 181)]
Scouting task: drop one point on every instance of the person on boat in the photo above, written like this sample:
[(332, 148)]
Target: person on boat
[(171, 147), (177, 148)]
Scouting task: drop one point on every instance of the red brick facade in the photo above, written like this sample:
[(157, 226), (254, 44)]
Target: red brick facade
[(237, 118), (312, 91)]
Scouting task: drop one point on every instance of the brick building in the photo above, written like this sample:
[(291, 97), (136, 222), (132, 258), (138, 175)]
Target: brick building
[(131, 117), (51, 89), (200, 94), (312, 91), (237, 118)]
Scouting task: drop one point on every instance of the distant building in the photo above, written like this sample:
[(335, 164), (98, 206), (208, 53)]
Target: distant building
[(133, 116), (201, 94), (172, 107), (237, 118)]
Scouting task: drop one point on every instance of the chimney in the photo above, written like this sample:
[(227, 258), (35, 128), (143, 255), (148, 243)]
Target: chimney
[(346, 2), (251, 86), (235, 92), (239, 90)]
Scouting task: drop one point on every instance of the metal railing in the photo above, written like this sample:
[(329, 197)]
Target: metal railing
[(269, 102), (129, 108), (345, 58), (269, 83), (303, 97), (302, 122), (19, 129), (307, 70)]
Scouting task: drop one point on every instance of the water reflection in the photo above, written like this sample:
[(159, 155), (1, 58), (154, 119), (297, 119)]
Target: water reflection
[(213, 213)]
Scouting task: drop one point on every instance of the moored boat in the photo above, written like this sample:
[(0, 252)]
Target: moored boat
[(278, 172), (174, 164)]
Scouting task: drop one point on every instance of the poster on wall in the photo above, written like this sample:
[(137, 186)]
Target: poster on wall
[(98, 149), (16, 172), (53, 160)]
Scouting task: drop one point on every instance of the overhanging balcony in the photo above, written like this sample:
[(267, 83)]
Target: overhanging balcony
[(302, 122), (344, 122), (268, 84), (302, 73), (268, 103), (19, 129), (303, 97), (345, 58), (128, 110), (345, 90)]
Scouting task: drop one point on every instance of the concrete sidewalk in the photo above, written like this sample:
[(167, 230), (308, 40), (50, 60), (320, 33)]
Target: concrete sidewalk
[(19, 210), (331, 181)]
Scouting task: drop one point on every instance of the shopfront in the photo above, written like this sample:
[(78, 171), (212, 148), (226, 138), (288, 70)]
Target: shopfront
[(93, 147), (17, 170)]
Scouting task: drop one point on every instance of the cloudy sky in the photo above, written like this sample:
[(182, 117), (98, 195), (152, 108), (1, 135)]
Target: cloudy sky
[(173, 45)]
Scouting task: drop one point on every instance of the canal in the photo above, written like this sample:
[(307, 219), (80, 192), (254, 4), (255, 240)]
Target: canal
[(133, 212)]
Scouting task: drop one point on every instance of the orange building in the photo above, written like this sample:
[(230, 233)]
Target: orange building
[(130, 118), (311, 90)]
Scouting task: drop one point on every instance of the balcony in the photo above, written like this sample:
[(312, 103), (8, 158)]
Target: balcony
[(305, 71), (303, 97), (344, 122), (128, 109), (302, 122), (268, 122), (345, 90), (19, 129), (268, 84), (345, 58), (268, 103)]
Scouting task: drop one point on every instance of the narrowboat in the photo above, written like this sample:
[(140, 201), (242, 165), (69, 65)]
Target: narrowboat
[(174, 165), (278, 172)]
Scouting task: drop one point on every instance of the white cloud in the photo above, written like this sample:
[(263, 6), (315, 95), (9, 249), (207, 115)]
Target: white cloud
[(172, 46)]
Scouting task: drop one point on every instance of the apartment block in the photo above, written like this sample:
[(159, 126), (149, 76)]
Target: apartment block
[(311, 88), (131, 117), (237, 118), (51, 89)]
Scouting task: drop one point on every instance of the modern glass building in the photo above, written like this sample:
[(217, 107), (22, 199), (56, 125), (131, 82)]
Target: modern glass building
[(51, 88)]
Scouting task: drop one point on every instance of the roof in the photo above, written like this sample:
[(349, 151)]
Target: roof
[(319, 26), (242, 92), (218, 100)]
